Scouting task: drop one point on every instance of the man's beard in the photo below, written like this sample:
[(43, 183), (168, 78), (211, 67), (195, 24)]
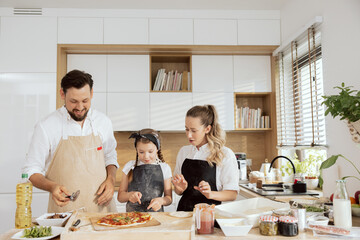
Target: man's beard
[(78, 119)]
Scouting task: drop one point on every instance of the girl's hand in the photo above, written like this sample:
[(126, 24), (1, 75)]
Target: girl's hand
[(205, 189), (179, 182), (135, 197), (155, 204)]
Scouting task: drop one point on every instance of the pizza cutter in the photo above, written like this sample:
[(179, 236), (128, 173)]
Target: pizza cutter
[(74, 195)]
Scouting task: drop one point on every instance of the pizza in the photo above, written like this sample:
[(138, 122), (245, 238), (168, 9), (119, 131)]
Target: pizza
[(125, 219)]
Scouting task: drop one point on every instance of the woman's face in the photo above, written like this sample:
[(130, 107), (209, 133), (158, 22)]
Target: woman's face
[(147, 152), (195, 131)]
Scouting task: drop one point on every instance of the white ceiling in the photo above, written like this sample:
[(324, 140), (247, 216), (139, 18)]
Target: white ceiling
[(149, 4)]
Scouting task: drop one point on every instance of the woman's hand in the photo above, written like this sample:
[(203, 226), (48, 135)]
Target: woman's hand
[(179, 183), (135, 197), (205, 189), (156, 204)]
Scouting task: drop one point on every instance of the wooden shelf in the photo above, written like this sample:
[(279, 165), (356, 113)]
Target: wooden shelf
[(179, 62)]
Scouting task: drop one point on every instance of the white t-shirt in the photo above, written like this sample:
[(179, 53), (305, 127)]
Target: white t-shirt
[(227, 174), (165, 168)]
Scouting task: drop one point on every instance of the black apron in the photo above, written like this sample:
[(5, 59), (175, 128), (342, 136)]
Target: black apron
[(194, 171), (149, 180)]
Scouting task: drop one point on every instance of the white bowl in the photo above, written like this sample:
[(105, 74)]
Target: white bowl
[(355, 211), (318, 220), (234, 226), (44, 221)]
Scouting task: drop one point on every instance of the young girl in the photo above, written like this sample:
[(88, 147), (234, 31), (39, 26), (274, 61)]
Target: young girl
[(206, 171), (146, 182)]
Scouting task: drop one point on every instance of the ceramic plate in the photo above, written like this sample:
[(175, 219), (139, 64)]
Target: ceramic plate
[(56, 231)]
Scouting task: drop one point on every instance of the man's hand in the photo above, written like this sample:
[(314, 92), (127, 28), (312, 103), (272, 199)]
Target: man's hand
[(180, 183), (205, 189), (156, 204), (105, 192), (57, 194), (135, 197)]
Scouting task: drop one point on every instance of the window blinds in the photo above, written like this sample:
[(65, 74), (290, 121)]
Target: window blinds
[(299, 90)]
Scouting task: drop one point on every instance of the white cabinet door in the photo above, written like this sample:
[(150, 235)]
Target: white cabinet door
[(171, 31), (28, 44), (212, 73), (252, 74), (95, 65), (168, 110), (126, 31), (128, 73), (215, 32), (258, 32), (224, 104), (99, 102), (25, 99), (80, 30), (128, 111)]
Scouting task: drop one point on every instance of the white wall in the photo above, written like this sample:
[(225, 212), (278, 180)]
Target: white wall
[(341, 50)]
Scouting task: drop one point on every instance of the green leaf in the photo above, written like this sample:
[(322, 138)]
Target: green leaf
[(321, 181), (329, 162)]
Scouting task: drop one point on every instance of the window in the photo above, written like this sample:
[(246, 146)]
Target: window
[(299, 90)]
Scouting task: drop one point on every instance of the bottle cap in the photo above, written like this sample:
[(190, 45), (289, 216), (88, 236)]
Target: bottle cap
[(24, 175)]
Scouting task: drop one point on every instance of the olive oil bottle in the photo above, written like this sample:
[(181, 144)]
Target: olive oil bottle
[(23, 202)]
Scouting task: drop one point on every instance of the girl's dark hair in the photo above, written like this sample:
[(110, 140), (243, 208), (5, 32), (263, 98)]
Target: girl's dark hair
[(76, 79), (216, 137), (145, 140)]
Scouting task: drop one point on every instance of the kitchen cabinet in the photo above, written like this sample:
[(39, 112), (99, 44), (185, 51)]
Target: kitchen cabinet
[(215, 32), (96, 65), (252, 74), (80, 30), (258, 32), (99, 102), (212, 73), (168, 110), (128, 73), (171, 31), (224, 103), (28, 44), (128, 111), (126, 31)]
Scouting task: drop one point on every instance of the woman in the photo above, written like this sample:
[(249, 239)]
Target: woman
[(206, 171)]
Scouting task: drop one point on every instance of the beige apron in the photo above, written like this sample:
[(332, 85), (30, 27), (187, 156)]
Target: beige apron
[(78, 164)]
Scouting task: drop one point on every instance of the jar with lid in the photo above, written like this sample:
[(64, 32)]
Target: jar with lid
[(288, 226), (268, 225)]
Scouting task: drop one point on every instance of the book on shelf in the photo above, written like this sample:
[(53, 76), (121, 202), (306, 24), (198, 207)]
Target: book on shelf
[(171, 81), (251, 118)]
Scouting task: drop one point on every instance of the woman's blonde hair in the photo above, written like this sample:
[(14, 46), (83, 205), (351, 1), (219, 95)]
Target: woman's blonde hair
[(145, 140), (216, 136)]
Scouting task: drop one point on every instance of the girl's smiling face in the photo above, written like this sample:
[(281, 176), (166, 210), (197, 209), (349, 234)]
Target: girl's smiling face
[(147, 152), (195, 131)]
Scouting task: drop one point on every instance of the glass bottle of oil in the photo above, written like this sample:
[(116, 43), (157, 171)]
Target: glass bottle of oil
[(23, 202)]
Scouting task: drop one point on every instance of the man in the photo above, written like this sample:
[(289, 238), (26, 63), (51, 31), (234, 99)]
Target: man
[(74, 149)]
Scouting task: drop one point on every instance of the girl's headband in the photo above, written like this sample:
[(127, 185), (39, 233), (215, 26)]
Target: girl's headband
[(148, 136)]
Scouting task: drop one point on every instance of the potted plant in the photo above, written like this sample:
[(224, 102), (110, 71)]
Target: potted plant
[(309, 168), (331, 161), (346, 105)]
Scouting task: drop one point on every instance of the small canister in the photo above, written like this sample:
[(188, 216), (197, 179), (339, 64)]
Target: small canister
[(268, 225), (288, 226)]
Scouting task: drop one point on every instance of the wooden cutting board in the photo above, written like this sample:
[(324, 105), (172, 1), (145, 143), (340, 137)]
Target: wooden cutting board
[(99, 227)]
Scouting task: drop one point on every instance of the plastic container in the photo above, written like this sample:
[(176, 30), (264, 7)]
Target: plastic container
[(23, 202), (204, 218), (268, 225), (288, 226)]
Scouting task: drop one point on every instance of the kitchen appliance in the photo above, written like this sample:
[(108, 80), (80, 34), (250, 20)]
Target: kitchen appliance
[(241, 160)]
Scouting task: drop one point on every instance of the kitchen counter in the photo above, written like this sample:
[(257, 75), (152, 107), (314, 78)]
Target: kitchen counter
[(218, 234)]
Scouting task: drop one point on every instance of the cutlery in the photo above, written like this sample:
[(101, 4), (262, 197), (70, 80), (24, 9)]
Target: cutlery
[(74, 195)]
